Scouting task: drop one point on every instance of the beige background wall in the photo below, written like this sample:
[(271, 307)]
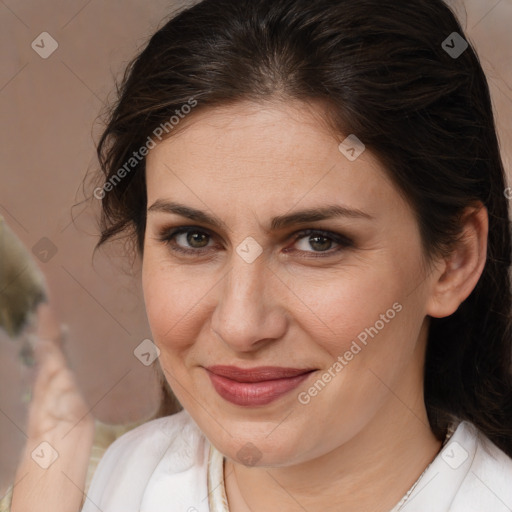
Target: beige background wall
[(48, 110)]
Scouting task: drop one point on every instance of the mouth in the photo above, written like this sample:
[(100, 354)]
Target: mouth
[(255, 386)]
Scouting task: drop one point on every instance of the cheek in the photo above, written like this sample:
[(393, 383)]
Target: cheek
[(164, 297), (347, 306), (176, 303)]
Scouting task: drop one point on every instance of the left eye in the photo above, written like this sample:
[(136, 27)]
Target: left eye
[(198, 240), (317, 239)]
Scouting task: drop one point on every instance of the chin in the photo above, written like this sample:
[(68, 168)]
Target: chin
[(255, 445)]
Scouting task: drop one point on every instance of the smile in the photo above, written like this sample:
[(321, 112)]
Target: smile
[(255, 386)]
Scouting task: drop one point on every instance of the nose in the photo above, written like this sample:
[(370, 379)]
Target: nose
[(249, 313)]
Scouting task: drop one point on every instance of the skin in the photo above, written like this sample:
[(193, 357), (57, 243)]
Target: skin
[(246, 164)]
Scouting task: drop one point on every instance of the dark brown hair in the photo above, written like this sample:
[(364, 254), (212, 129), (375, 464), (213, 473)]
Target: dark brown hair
[(385, 72)]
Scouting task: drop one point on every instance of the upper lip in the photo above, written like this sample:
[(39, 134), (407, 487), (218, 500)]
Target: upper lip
[(256, 374)]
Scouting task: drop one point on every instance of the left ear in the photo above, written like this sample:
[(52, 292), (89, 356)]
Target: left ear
[(459, 272)]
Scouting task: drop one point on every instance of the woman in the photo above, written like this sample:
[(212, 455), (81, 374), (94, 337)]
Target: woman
[(317, 195)]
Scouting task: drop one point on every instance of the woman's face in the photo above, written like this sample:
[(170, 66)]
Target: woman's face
[(341, 296)]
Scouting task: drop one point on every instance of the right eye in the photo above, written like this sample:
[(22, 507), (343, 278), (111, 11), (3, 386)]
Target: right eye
[(193, 236)]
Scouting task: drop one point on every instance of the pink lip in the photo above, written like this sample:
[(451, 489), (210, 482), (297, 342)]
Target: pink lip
[(255, 386)]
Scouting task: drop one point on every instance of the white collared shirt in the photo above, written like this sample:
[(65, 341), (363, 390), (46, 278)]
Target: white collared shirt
[(168, 465)]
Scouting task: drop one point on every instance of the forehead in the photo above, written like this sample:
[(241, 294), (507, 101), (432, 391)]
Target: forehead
[(260, 154), (245, 129)]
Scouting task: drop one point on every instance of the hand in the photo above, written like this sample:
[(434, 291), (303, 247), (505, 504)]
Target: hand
[(58, 415), (57, 404)]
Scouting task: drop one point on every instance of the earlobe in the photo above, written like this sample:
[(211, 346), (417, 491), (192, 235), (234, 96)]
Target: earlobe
[(462, 269)]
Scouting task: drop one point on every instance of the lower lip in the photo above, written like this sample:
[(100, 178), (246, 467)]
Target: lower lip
[(254, 393)]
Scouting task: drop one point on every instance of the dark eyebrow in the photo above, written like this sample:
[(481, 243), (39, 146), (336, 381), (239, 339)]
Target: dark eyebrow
[(279, 222)]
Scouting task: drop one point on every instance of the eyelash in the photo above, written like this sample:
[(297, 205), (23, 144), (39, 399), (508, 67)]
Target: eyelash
[(167, 237)]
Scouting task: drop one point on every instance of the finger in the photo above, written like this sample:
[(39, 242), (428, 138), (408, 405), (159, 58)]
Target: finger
[(51, 364)]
